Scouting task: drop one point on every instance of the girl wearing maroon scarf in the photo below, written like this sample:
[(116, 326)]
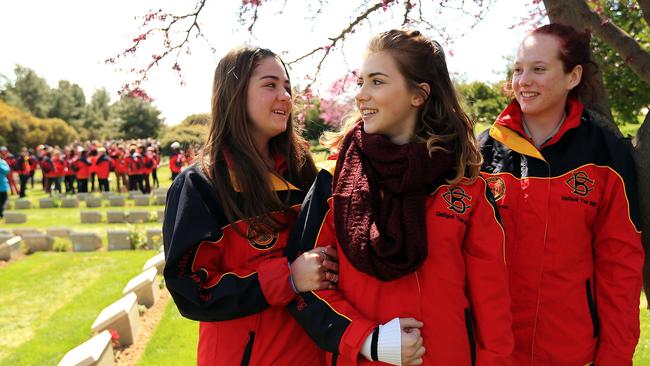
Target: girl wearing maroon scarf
[(422, 276)]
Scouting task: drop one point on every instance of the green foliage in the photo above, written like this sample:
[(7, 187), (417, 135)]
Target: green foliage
[(138, 238), (186, 135), (312, 125), (202, 119), (28, 92), (19, 128), (482, 101), (100, 120), (137, 118), (68, 103), (62, 245), (628, 94)]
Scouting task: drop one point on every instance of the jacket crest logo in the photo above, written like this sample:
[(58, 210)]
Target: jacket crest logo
[(457, 199), (261, 236), (580, 184), (497, 186)]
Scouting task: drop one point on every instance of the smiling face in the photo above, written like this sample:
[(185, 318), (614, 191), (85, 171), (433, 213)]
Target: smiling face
[(268, 100), (388, 105), (540, 84)]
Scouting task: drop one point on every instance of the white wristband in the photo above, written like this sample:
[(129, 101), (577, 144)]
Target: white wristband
[(389, 344)]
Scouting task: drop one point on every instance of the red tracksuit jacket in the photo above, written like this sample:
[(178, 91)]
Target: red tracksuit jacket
[(460, 292), (237, 287), (572, 239)]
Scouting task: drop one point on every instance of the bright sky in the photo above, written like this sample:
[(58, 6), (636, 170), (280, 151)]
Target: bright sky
[(70, 39)]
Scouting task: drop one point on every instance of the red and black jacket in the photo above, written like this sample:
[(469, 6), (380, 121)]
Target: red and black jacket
[(81, 167), (573, 243), (22, 165), (103, 166), (460, 292), (176, 162), (236, 286)]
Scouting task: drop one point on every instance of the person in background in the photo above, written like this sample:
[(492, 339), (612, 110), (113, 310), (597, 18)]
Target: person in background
[(147, 167), (121, 169), (23, 168), (81, 166), (176, 160), (103, 169), (4, 184), (47, 171), (92, 170), (58, 162), (11, 161), (69, 173), (35, 158)]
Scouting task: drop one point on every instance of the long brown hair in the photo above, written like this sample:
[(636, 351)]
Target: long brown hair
[(230, 131), (441, 124)]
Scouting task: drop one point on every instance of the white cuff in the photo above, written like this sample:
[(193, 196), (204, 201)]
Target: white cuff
[(389, 346), (389, 343)]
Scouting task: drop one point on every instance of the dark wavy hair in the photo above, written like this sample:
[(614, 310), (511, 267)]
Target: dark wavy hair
[(230, 131)]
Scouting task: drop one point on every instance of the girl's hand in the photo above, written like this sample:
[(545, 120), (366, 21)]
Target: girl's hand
[(316, 269)]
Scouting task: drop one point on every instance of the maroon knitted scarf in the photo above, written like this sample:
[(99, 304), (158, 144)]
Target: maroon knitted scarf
[(379, 193)]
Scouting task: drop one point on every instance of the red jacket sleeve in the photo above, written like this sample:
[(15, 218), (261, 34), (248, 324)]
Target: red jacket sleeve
[(487, 278), (618, 257), (333, 323)]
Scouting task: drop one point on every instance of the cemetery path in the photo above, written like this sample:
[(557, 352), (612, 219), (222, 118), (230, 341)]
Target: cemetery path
[(148, 323)]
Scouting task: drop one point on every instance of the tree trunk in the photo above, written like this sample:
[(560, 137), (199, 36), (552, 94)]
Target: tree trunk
[(642, 157)]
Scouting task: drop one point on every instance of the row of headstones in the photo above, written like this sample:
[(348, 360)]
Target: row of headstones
[(37, 241), (121, 217), (121, 316), (91, 202)]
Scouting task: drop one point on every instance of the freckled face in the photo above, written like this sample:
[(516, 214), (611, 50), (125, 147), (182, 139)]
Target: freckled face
[(540, 84)]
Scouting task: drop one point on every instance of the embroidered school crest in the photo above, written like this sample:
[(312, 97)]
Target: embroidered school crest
[(497, 186), (580, 183), (457, 199), (261, 236)]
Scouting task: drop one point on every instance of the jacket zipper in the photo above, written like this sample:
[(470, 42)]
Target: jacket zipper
[(248, 350), (541, 274), (469, 326), (592, 307)]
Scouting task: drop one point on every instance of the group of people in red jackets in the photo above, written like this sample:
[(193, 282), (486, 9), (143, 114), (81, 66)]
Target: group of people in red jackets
[(76, 168)]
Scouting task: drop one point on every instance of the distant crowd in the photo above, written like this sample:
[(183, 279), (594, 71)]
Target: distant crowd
[(86, 167)]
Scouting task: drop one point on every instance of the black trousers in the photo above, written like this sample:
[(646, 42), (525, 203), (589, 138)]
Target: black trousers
[(23, 185), (82, 185), (57, 184), (3, 199), (154, 175), (69, 184), (103, 185)]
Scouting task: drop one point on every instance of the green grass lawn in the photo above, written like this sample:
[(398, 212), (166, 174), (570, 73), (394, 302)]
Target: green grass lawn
[(174, 342), (48, 301)]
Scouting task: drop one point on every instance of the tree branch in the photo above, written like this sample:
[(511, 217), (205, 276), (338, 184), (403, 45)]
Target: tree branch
[(637, 59), (642, 156), (347, 30)]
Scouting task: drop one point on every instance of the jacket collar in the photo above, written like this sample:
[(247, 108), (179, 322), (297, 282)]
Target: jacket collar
[(508, 128)]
